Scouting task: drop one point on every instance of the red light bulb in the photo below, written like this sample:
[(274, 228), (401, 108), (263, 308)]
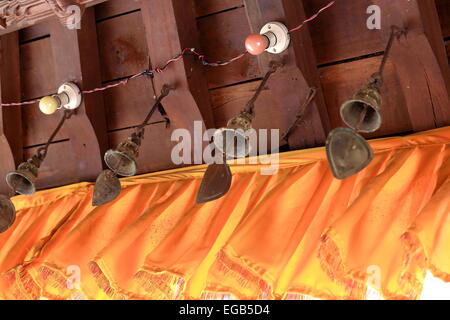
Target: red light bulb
[(256, 44)]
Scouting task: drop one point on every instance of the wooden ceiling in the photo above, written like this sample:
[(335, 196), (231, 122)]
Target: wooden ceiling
[(336, 53)]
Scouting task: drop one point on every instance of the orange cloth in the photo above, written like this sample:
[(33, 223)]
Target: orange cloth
[(298, 232)]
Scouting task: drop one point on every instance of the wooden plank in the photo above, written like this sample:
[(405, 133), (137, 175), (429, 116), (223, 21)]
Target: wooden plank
[(341, 32), (222, 36), (76, 59), (127, 106), (175, 20), (38, 79), (421, 62), (37, 69), (207, 7), (123, 48), (10, 117), (291, 85), (112, 8), (34, 32), (443, 8)]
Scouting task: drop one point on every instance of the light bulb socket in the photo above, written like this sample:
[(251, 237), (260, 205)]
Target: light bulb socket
[(69, 96), (278, 37)]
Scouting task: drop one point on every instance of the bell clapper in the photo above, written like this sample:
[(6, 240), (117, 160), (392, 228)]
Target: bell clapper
[(362, 117)]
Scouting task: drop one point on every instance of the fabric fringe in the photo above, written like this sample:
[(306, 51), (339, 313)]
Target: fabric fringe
[(411, 278), (22, 284), (160, 285), (332, 263), (56, 280), (246, 279), (26, 287), (215, 296), (444, 276), (105, 284), (415, 266)]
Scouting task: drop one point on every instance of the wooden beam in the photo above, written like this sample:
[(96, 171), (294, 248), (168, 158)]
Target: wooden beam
[(76, 59), (421, 62), (176, 28), (11, 148), (291, 86)]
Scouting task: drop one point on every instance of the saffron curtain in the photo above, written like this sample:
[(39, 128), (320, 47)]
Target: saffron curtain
[(290, 235)]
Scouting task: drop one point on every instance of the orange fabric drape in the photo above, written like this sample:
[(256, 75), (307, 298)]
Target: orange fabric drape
[(298, 232)]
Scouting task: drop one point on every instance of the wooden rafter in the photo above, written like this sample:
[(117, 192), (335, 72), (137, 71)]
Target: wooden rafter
[(76, 59), (290, 87), (10, 117), (421, 62), (176, 25)]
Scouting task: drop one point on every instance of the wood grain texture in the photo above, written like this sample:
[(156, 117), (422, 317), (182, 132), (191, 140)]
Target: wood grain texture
[(10, 117), (123, 47), (113, 8), (443, 8), (222, 37), (127, 106), (37, 69), (207, 7), (76, 59), (177, 31), (421, 62), (59, 167)]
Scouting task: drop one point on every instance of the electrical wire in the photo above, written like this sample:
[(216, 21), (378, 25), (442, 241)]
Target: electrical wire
[(186, 51)]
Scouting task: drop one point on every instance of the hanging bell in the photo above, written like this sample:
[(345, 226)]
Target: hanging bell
[(362, 113), (107, 188), (23, 180), (232, 140), (348, 152), (122, 161), (7, 213)]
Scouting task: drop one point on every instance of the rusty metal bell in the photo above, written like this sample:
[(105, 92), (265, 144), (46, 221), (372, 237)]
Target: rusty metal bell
[(107, 188), (7, 213), (367, 100), (122, 161), (23, 180), (348, 152), (232, 140)]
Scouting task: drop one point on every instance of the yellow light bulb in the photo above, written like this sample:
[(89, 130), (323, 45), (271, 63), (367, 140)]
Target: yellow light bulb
[(48, 105)]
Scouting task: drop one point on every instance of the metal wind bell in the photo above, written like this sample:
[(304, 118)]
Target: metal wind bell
[(22, 181), (232, 143), (348, 152), (122, 160)]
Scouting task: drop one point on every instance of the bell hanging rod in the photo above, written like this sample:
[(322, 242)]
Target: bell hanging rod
[(396, 33), (122, 161), (301, 114), (22, 181), (231, 140), (231, 143), (362, 113), (250, 107)]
